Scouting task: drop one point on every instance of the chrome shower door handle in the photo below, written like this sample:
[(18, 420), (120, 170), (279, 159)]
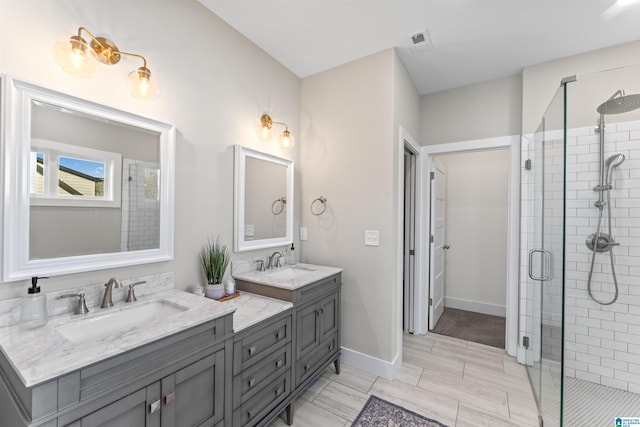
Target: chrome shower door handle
[(547, 265)]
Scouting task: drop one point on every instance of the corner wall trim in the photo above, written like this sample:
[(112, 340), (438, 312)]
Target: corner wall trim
[(373, 365)]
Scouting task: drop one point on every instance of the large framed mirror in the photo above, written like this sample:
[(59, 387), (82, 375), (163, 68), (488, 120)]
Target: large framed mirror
[(86, 186), (263, 199)]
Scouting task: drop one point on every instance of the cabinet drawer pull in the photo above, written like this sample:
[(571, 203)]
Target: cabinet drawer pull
[(251, 413), (252, 382), (279, 363), (252, 349), (279, 391), (331, 346), (306, 367), (318, 313), (169, 398), (279, 335), (322, 311), (154, 406)]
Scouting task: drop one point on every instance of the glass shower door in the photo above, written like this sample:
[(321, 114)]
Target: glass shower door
[(544, 187)]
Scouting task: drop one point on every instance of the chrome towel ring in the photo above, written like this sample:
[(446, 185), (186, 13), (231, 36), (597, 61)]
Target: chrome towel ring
[(278, 205), (319, 205)]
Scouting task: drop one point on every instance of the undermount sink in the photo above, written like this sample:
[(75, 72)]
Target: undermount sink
[(111, 323), (290, 273)]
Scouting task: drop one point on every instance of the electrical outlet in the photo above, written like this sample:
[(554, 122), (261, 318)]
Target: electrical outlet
[(371, 238), (303, 233), (249, 230)]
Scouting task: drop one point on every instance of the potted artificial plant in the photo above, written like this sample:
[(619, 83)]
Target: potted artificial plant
[(214, 258)]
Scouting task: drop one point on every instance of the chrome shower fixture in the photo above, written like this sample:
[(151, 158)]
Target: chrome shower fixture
[(619, 103)]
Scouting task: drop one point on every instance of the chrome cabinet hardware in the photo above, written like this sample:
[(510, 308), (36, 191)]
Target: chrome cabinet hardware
[(279, 335), (279, 363), (154, 406), (252, 382), (252, 349), (279, 391), (251, 413), (169, 398)]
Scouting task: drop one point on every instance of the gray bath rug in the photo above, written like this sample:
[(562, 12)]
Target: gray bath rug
[(380, 413)]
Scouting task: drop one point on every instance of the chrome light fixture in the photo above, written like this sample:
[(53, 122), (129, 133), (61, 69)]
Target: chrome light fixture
[(80, 59), (287, 141)]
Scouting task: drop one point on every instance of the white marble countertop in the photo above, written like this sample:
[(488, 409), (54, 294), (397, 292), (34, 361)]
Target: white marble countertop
[(252, 309), (289, 277), (41, 354)]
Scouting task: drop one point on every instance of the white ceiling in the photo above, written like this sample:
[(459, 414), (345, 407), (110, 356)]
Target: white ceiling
[(473, 40)]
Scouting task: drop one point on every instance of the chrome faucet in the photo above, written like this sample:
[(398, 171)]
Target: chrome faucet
[(106, 300), (274, 260)]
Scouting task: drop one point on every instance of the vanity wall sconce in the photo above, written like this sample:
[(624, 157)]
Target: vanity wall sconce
[(287, 141), (80, 58)]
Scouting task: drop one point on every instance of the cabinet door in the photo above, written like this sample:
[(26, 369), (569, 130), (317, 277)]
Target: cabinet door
[(307, 331), (130, 411), (194, 396), (329, 312)]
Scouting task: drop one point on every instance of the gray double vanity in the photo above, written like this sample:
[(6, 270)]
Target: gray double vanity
[(167, 357), (187, 361)]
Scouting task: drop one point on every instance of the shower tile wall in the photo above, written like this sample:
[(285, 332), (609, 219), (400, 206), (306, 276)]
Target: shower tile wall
[(602, 342)]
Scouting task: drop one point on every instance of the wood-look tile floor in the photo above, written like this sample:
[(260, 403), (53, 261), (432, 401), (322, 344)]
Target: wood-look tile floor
[(456, 382)]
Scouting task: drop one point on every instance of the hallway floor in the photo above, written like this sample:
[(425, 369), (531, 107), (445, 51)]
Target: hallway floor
[(456, 382), (470, 326)]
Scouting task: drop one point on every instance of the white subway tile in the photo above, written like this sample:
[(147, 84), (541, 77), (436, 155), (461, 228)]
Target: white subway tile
[(610, 382)]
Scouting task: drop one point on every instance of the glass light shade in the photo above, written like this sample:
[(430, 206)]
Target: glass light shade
[(75, 57), (287, 141), (265, 133), (142, 85)]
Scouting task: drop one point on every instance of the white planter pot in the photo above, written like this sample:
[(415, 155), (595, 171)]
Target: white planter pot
[(214, 291)]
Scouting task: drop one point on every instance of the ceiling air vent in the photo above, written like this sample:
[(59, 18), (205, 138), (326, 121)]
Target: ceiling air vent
[(420, 41)]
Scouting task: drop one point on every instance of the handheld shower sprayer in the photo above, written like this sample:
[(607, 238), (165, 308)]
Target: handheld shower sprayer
[(612, 163)]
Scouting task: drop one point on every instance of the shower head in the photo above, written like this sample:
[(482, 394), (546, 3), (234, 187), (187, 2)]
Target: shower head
[(619, 104), (612, 163)]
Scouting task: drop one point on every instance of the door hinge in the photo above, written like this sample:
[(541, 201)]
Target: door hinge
[(432, 175), (525, 342), (431, 239), (527, 164), (412, 251), (430, 301)]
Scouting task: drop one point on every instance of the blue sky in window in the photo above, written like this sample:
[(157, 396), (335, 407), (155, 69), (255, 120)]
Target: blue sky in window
[(87, 167)]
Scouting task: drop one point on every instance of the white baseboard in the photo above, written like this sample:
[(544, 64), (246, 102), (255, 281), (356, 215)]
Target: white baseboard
[(373, 365), (475, 306)]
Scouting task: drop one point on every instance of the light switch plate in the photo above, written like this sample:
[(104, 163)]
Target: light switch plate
[(249, 230), (303, 233), (371, 238)]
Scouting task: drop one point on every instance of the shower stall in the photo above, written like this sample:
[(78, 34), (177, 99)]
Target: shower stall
[(580, 258)]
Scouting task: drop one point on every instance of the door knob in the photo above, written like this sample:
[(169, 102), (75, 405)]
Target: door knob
[(446, 247)]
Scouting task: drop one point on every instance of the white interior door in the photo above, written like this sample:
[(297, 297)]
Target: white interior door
[(437, 253), (408, 277)]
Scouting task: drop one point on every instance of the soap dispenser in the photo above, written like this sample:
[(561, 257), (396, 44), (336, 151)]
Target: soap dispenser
[(33, 310), (291, 257)]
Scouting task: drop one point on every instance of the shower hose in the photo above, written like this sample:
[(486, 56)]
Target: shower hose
[(595, 251)]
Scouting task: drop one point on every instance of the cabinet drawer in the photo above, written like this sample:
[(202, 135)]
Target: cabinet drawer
[(257, 407), (250, 349), (307, 365), (253, 379)]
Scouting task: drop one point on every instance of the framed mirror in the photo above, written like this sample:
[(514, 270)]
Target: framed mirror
[(86, 186), (263, 200)]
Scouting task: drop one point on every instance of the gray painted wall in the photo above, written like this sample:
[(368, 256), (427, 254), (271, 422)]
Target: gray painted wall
[(483, 110), (215, 84)]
